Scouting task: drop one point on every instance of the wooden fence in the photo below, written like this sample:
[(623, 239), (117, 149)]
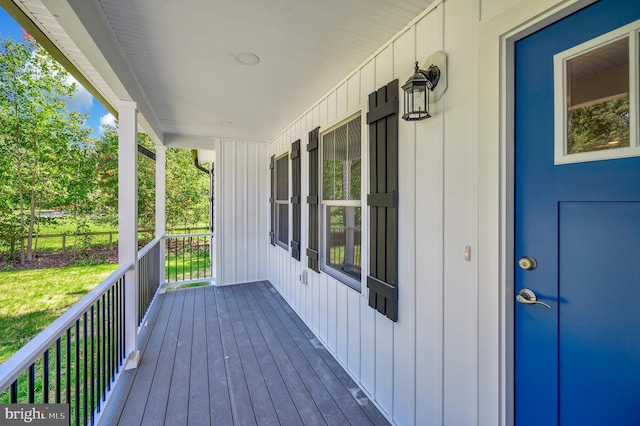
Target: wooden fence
[(69, 240)]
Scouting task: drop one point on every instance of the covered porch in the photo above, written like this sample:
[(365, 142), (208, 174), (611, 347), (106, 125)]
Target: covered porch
[(234, 355), (206, 355)]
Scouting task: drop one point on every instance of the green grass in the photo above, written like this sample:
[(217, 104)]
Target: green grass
[(30, 300), (194, 265), (65, 225)]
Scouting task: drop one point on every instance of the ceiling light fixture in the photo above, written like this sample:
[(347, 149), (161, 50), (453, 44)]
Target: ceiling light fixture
[(246, 58)]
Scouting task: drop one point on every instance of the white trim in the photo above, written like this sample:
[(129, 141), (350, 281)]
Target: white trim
[(350, 115), (364, 189), (127, 220), (560, 85), (497, 37)]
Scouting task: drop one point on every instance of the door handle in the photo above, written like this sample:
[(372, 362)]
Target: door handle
[(528, 297)]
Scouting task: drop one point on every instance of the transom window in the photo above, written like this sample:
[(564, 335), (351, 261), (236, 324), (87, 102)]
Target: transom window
[(341, 202), (596, 98)]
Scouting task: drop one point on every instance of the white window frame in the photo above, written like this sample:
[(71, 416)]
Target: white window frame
[(284, 245), (560, 86), (364, 179)]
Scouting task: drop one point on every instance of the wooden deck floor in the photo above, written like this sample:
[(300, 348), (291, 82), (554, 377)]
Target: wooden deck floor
[(235, 355)]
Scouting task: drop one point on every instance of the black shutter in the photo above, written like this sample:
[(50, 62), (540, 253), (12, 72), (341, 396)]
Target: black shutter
[(296, 187), (272, 200), (383, 200), (313, 253)]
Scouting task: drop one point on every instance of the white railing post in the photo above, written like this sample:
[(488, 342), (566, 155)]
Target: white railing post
[(161, 202), (128, 220)]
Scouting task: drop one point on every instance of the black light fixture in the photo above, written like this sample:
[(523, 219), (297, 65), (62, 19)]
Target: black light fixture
[(416, 92), (425, 88)]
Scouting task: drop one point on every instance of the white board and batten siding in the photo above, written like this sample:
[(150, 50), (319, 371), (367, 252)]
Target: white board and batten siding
[(403, 365), (241, 221), (442, 362)]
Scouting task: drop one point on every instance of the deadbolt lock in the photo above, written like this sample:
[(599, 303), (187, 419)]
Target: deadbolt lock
[(527, 263)]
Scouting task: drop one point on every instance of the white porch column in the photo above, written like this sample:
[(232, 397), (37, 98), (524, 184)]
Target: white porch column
[(128, 220), (161, 202)]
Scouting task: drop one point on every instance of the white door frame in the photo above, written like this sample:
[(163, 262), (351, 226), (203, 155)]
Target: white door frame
[(497, 37)]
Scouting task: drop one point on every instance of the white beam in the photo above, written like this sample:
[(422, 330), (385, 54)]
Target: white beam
[(161, 201), (128, 220)]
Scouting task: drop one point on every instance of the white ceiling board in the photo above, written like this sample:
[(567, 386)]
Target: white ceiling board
[(178, 56)]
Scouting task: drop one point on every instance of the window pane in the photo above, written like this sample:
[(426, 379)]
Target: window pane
[(282, 172), (598, 99), (341, 162), (344, 240), (283, 223)]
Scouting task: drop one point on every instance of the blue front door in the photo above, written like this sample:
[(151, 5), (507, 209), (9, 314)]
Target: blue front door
[(577, 363)]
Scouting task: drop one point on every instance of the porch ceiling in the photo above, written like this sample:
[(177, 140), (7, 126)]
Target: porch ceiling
[(176, 57)]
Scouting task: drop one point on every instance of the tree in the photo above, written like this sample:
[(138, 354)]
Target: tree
[(107, 180), (604, 125), (36, 131), (187, 190)]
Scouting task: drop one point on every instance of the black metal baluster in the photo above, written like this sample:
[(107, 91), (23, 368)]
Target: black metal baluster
[(190, 258), (58, 371), (68, 359), (76, 399), (45, 377), (93, 361), (13, 392), (108, 348), (113, 332), (116, 328), (122, 314), (84, 366), (31, 383), (122, 318), (104, 351), (99, 356), (141, 287)]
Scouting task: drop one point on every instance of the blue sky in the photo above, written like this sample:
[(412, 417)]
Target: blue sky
[(82, 101)]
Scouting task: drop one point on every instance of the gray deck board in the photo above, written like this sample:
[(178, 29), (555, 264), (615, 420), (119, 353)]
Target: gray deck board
[(347, 382), (219, 400), (311, 349), (236, 355), (279, 394), (301, 398), (154, 411)]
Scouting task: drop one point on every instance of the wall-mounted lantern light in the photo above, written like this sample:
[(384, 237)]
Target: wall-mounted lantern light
[(421, 84)]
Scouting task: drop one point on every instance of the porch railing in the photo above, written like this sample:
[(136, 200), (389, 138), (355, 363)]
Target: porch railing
[(77, 359), (188, 258), (148, 276)]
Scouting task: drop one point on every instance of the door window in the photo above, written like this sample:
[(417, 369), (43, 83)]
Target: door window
[(595, 89)]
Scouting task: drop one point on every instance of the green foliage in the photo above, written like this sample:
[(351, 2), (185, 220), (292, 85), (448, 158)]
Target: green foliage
[(36, 132), (49, 162), (107, 180), (187, 190), (604, 125)]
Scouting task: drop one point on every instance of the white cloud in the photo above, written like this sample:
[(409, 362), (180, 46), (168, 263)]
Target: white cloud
[(107, 120), (81, 100)]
